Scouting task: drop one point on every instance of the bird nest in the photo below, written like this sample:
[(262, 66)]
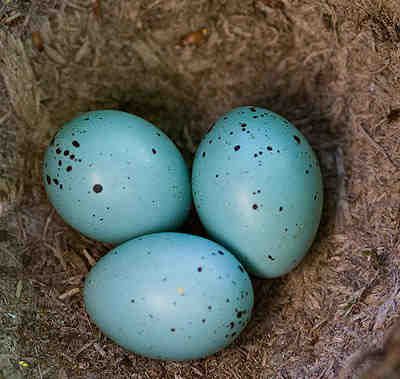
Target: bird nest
[(332, 68)]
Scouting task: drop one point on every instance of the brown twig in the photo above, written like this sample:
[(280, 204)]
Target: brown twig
[(343, 213), (69, 293), (99, 349), (47, 223), (89, 258), (21, 227), (38, 364), (96, 8), (74, 280), (5, 117), (189, 141), (18, 289), (58, 255), (378, 147), (84, 347)]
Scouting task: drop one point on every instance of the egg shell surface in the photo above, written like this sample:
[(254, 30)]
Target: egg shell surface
[(114, 176), (257, 188), (169, 296)]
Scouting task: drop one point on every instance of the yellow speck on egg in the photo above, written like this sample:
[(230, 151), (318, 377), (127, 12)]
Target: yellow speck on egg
[(23, 364), (181, 291)]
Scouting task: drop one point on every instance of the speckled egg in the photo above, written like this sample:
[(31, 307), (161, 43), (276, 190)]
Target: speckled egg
[(257, 188), (114, 176), (169, 296)]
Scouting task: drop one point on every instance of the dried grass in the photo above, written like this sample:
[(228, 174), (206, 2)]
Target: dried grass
[(330, 67)]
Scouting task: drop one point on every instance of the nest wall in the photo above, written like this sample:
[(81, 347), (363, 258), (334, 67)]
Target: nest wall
[(331, 67)]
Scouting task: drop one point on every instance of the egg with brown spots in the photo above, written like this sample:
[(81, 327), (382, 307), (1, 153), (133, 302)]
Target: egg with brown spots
[(258, 189), (169, 296), (114, 176)]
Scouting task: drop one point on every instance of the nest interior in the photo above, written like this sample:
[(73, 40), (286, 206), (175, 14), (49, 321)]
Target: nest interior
[(331, 67)]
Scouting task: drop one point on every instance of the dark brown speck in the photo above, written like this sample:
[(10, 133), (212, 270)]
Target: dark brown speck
[(297, 139), (239, 314), (75, 143), (48, 179), (237, 148), (69, 168), (97, 188), (255, 206)]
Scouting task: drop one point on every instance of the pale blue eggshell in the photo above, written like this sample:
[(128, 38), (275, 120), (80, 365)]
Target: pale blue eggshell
[(114, 176), (257, 188), (170, 296)]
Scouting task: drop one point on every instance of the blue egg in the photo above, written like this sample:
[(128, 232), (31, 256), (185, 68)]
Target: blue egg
[(114, 176), (257, 188), (169, 296)]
